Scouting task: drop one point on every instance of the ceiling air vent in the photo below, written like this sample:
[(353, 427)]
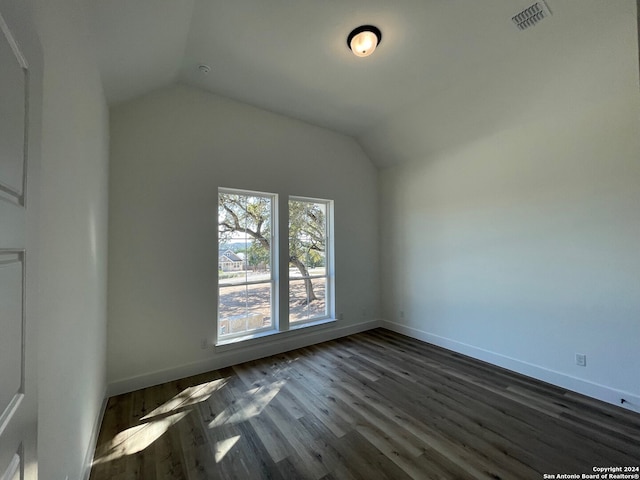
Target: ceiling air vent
[(531, 15)]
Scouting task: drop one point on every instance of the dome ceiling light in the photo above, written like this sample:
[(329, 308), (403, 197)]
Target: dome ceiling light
[(363, 40)]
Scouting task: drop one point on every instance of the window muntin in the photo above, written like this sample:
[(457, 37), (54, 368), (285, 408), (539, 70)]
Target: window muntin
[(246, 280), (309, 250)]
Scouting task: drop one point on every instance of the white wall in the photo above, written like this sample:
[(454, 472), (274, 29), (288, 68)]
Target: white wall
[(72, 248), (521, 247), (170, 151)]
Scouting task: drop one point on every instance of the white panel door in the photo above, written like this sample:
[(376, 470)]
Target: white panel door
[(18, 402)]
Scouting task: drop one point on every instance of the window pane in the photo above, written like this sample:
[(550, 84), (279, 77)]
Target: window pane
[(258, 262), (259, 305), (232, 306), (229, 277), (307, 259), (307, 238), (244, 308), (315, 265), (307, 299), (244, 235)]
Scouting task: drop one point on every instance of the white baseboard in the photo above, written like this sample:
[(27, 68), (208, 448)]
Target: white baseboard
[(91, 448), (585, 387), (272, 345)]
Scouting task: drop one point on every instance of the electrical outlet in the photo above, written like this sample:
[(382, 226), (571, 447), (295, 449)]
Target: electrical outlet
[(341, 316), (204, 344), (581, 359), (401, 313)]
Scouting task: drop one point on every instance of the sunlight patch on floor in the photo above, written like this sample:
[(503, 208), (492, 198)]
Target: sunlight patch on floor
[(189, 396), (136, 439), (224, 446), (250, 405)]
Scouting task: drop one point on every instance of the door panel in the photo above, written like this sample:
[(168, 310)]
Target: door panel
[(11, 345), (18, 138), (12, 116)]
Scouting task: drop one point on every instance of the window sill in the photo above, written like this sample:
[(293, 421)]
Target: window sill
[(262, 337)]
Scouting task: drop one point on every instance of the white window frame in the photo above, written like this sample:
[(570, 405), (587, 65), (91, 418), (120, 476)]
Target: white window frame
[(329, 263), (279, 280), (272, 270)]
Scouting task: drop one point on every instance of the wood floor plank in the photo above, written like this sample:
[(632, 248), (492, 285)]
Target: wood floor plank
[(363, 415), (558, 413), (274, 441), (446, 408), (375, 405), (308, 393), (197, 460), (366, 458)]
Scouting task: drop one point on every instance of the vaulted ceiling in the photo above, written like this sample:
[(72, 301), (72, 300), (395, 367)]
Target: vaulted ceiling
[(444, 68)]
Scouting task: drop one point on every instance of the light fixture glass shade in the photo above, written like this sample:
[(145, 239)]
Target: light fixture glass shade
[(363, 40), (364, 43)]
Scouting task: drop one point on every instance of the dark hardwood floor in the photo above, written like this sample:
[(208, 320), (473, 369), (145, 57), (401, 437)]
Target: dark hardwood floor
[(374, 405)]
